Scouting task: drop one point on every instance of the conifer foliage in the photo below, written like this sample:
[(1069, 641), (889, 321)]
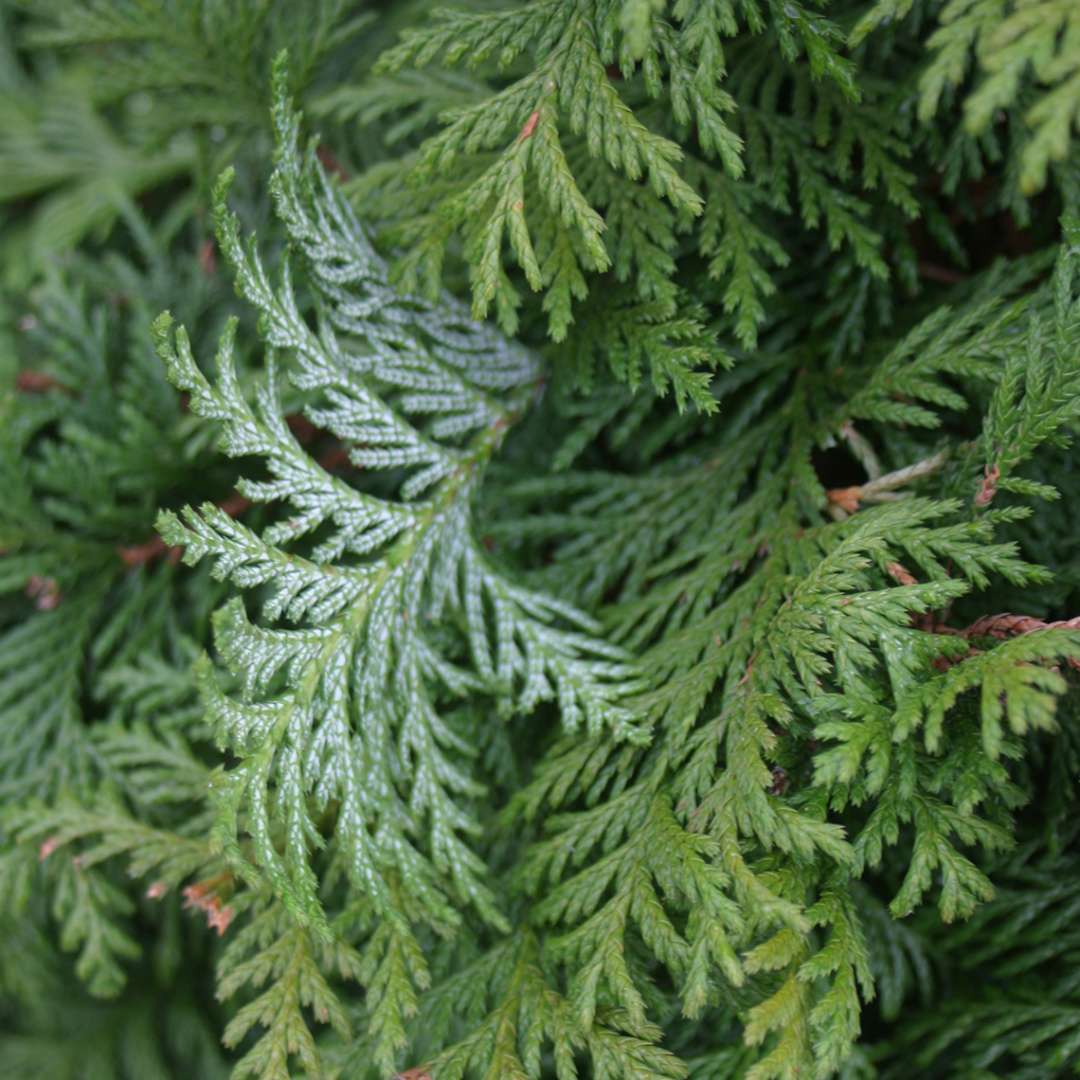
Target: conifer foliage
[(538, 539)]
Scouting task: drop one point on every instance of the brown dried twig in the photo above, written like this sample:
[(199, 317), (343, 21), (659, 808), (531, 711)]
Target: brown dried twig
[(988, 489), (1000, 626), (37, 382), (845, 501)]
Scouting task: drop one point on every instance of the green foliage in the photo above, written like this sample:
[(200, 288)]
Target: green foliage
[(1028, 56), (569, 169), (379, 365), (97, 408), (1012, 1014), (122, 99), (272, 951), (675, 679), (54, 145), (158, 1029)]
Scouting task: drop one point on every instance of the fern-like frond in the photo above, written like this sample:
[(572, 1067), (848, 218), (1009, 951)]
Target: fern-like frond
[(380, 605)]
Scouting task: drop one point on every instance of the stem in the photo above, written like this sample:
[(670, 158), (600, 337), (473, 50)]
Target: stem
[(845, 501)]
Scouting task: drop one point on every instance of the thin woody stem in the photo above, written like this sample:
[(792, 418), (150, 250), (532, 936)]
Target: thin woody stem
[(861, 447), (1001, 626), (1007, 625), (845, 501), (891, 481)]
